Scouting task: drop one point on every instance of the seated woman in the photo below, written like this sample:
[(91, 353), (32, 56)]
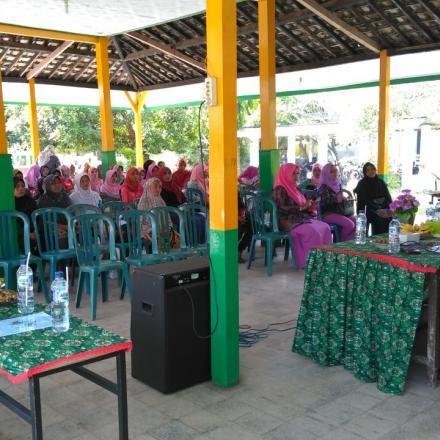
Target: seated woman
[(31, 179), (66, 181), (153, 171), (181, 176), (131, 189), (250, 176), (330, 202), (83, 194), (199, 180), (294, 214), (171, 193), (95, 180), (373, 195), (44, 172), (27, 205), (110, 188), (312, 184)]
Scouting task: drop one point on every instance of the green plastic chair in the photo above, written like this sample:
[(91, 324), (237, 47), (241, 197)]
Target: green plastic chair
[(48, 241), (268, 234), (91, 232), (135, 247), (82, 208), (194, 195), (10, 252), (196, 227), (162, 216)]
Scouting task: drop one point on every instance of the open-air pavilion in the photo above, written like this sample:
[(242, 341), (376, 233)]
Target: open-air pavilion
[(89, 47)]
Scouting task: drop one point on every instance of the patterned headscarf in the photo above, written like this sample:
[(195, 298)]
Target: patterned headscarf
[(285, 179)]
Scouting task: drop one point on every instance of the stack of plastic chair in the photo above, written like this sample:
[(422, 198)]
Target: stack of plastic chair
[(196, 227), (10, 251), (91, 232)]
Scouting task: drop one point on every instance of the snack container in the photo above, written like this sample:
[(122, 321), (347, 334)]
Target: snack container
[(411, 236)]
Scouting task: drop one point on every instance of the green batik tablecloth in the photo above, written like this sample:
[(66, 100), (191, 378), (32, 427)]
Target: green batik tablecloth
[(362, 311), (29, 353)]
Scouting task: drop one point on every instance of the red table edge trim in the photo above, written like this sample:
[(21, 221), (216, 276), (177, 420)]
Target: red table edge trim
[(125, 346), (387, 259)]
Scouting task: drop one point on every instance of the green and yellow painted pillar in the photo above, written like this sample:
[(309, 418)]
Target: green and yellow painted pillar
[(33, 121), (384, 114), (105, 108), (6, 183), (221, 39), (269, 154), (137, 104)]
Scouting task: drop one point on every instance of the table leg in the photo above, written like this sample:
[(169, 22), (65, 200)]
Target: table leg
[(122, 395), (433, 329), (35, 410)]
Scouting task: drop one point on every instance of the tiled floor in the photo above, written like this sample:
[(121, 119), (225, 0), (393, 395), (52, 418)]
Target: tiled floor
[(280, 396)]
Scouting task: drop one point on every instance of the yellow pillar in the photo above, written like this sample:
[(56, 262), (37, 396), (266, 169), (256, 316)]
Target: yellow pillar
[(137, 106), (105, 108), (221, 40), (269, 155), (384, 114), (6, 183), (33, 121)]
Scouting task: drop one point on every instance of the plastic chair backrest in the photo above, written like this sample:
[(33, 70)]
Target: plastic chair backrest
[(163, 227), (89, 238), (130, 231), (9, 223), (192, 213), (113, 209), (82, 208), (46, 222), (194, 195), (258, 206)]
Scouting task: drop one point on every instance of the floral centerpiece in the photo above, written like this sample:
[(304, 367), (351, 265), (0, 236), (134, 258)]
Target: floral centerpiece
[(405, 207)]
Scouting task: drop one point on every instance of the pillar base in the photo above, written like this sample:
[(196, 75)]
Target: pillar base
[(7, 201), (108, 158), (225, 365), (269, 166)]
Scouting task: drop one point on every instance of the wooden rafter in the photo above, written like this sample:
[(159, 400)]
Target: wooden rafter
[(167, 50), (124, 63), (335, 21), (43, 63)]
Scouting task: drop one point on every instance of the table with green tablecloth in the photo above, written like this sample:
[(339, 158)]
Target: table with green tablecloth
[(37, 353), (361, 308)]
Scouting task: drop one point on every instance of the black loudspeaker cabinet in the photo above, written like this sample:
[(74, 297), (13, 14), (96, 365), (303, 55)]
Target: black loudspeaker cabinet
[(167, 353)]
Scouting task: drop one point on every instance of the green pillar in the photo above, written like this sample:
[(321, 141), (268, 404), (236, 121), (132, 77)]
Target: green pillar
[(7, 202), (224, 307), (108, 158), (269, 166)]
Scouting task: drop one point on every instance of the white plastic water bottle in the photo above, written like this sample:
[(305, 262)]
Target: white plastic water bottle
[(25, 287), (393, 237), (361, 228), (60, 303)]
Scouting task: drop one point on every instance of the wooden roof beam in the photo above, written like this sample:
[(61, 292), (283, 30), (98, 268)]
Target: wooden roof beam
[(124, 63), (335, 21), (167, 50), (47, 60)]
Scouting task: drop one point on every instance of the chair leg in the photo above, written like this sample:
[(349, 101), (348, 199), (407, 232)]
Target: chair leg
[(104, 286), (93, 294), (286, 250), (41, 280), (127, 281), (79, 287), (269, 256), (10, 282), (251, 252)]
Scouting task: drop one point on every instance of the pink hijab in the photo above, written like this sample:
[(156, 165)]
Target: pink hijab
[(150, 169), (32, 176), (284, 178), (112, 189), (249, 176), (198, 176), (95, 181), (326, 179)]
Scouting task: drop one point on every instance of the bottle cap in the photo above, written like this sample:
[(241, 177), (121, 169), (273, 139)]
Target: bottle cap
[(59, 275)]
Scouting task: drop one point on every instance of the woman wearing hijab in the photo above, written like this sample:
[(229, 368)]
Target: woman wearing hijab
[(44, 172), (27, 205), (152, 171), (131, 189), (294, 214), (373, 195), (83, 193), (110, 188), (120, 174), (199, 180), (313, 182), (151, 199), (95, 180), (54, 196), (147, 163), (66, 180), (171, 193), (249, 176), (32, 176), (330, 192), (181, 176)]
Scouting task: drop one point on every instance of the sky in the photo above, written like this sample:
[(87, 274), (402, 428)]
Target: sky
[(426, 63)]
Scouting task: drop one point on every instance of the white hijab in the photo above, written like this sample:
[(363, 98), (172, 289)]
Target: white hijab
[(84, 196)]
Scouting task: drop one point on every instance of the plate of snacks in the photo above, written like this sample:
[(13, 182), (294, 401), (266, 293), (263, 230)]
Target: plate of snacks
[(7, 297), (381, 242)]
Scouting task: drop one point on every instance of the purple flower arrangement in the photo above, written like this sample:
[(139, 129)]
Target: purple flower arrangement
[(405, 203)]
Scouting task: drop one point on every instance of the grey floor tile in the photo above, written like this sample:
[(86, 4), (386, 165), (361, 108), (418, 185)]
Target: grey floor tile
[(258, 422), (174, 430)]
